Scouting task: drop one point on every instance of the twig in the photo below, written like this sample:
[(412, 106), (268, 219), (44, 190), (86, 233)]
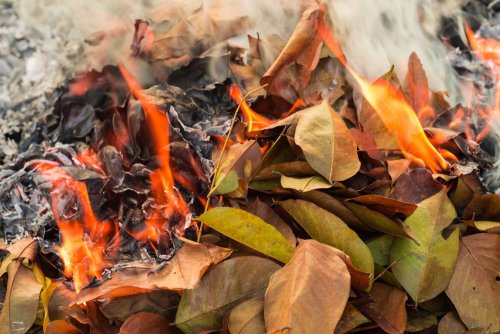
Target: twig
[(219, 161)]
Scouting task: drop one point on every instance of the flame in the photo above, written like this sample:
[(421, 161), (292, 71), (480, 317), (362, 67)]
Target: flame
[(174, 209), (487, 49), (255, 121), (395, 112), (85, 238)]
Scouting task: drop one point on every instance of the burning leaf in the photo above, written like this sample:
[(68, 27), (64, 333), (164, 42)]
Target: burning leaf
[(433, 254), (417, 90), (351, 318), (146, 322), (389, 302), (474, 287), (380, 222), (183, 271), (247, 317), (231, 282), (327, 143), (327, 228), (304, 184), (61, 326), (237, 167), (314, 276), (250, 230), (268, 215)]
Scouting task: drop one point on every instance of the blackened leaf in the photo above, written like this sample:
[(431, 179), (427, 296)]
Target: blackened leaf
[(314, 276), (226, 285), (416, 265), (250, 230), (474, 286), (327, 228), (247, 317), (327, 143)]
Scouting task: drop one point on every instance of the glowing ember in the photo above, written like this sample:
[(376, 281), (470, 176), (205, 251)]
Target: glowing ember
[(394, 111), (254, 120), (85, 238), (173, 206)]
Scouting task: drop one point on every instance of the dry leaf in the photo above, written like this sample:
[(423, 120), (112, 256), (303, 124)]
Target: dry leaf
[(474, 287), (247, 317), (390, 304), (451, 323), (417, 90), (308, 295), (146, 322), (60, 327)]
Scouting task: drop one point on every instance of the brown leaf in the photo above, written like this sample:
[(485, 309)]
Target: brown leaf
[(386, 205), (21, 300), (397, 167), (474, 287), (248, 317), (390, 304), (264, 211), (60, 327), (183, 271), (303, 48), (292, 168), (417, 90), (415, 185), (483, 207), (314, 276), (451, 323), (146, 322)]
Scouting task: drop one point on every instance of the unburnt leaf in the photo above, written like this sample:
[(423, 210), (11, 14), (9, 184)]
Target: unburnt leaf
[(226, 285), (61, 326), (380, 222), (474, 286), (386, 205), (390, 304), (250, 230), (327, 143), (397, 167), (327, 228), (415, 185), (305, 183), (247, 317), (380, 247), (238, 165), (485, 226), (183, 271), (483, 207), (416, 265), (451, 323), (291, 168), (146, 322), (314, 276), (351, 318), (268, 215)]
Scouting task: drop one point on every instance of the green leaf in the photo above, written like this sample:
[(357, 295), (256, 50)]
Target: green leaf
[(380, 247), (305, 183), (380, 222), (331, 230), (424, 270), (223, 287), (249, 230), (327, 143)]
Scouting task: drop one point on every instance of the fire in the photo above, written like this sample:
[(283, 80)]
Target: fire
[(174, 209), (395, 112), (85, 238), (255, 121), (487, 49)]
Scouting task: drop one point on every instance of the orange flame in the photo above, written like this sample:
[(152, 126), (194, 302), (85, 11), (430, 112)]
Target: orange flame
[(395, 112), (174, 207), (255, 121), (85, 238)]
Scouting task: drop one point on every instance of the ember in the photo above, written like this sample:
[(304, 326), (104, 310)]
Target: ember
[(239, 167)]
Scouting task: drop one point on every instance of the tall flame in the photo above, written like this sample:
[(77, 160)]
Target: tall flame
[(174, 207), (394, 111), (85, 238)]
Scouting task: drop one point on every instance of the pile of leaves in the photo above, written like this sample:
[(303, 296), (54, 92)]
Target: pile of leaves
[(317, 223)]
